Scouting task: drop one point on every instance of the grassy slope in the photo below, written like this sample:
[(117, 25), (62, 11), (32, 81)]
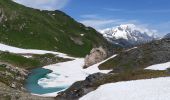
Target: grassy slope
[(29, 63), (30, 28), (18, 60)]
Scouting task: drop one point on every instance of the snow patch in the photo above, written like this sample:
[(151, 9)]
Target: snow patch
[(81, 34), (67, 73), (27, 56), (16, 50), (149, 89), (131, 49), (163, 66)]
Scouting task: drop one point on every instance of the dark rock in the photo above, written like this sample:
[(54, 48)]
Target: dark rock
[(81, 88)]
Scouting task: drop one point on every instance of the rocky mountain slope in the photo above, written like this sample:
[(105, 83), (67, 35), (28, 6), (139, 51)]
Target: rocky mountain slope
[(140, 57), (127, 65), (47, 30), (167, 36), (128, 35)]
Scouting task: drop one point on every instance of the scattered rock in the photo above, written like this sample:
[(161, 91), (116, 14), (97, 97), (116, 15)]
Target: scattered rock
[(13, 85), (12, 76), (77, 40)]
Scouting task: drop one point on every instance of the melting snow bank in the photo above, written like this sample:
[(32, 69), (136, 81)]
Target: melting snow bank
[(63, 74), (12, 49), (150, 89), (162, 66), (67, 73)]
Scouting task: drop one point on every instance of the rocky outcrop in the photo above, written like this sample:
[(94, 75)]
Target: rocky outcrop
[(96, 55), (81, 88), (93, 82), (2, 15), (12, 76), (77, 40), (7, 93)]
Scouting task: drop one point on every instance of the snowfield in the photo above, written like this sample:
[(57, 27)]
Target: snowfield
[(162, 66), (66, 73), (149, 89), (16, 50), (63, 74)]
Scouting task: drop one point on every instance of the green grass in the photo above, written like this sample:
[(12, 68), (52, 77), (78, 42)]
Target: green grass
[(19, 61), (30, 63), (2, 67), (47, 59), (131, 75), (15, 60), (43, 30)]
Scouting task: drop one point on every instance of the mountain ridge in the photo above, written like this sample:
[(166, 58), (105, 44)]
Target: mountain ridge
[(30, 28), (167, 35), (128, 35)]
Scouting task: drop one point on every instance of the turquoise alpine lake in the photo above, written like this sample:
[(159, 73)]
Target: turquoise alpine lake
[(32, 82)]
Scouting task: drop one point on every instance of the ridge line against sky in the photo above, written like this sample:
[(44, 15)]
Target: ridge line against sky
[(152, 14)]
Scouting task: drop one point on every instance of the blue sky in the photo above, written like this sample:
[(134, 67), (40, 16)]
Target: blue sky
[(100, 14)]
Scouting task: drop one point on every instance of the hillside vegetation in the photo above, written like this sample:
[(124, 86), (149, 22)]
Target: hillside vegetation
[(48, 30)]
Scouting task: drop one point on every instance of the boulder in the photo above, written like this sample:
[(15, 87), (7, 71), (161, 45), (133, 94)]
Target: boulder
[(96, 55)]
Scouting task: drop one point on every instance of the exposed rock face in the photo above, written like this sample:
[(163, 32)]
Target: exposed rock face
[(155, 52), (77, 40), (12, 76), (1, 15), (96, 55), (81, 88)]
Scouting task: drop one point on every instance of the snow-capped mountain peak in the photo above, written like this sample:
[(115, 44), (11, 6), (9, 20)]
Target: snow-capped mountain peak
[(129, 32)]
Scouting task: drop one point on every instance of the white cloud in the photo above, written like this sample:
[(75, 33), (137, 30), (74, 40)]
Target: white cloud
[(163, 27), (98, 23), (44, 4)]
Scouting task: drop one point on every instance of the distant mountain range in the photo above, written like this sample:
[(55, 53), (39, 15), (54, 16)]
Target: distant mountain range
[(167, 36), (128, 35)]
